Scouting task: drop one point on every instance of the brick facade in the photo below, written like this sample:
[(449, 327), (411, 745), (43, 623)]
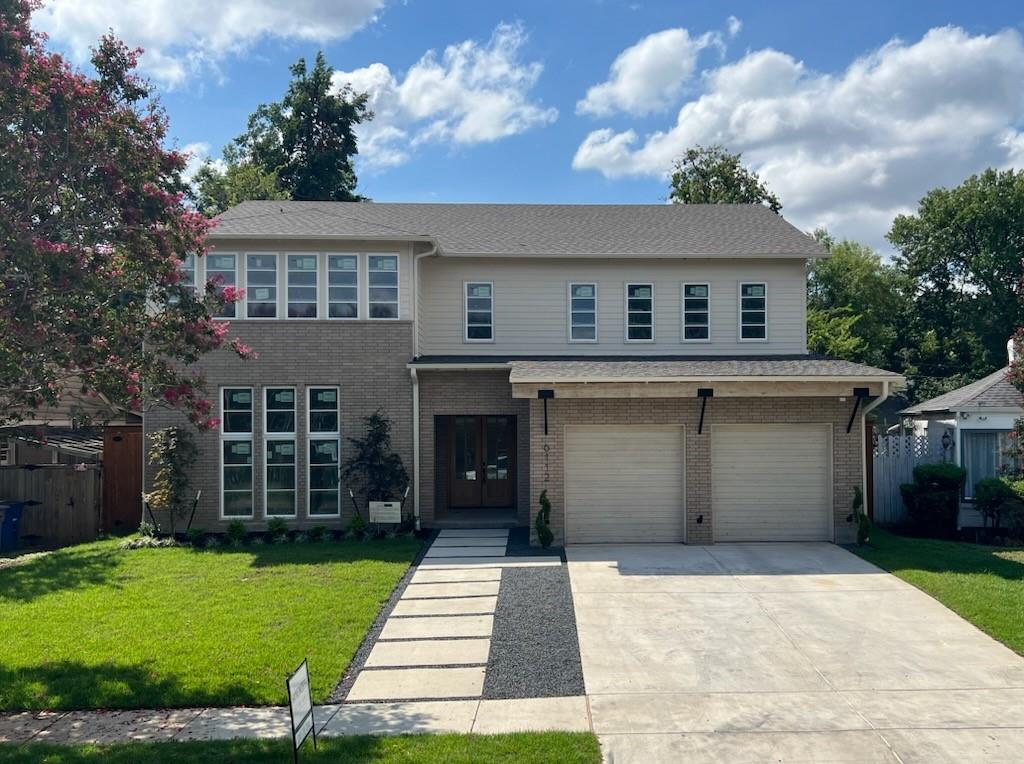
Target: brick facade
[(366, 360), (547, 467)]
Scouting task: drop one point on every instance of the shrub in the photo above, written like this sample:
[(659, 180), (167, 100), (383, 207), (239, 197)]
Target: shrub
[(993, 498), (196, 536), (236, 532), (373, 465), (301, 537), (173, 452), (542, 523), (147, 528), (319, 533), (933, 499), (357, 526), (276, 526)]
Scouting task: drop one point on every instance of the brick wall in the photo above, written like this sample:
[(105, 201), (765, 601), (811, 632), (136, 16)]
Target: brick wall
[(449, 393), (547, 469), (365, 360)]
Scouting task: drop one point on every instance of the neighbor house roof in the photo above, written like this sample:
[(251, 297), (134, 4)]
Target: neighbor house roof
[(654, 230), (993, 391)]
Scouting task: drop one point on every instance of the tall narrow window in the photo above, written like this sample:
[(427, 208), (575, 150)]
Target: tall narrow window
[(696, 312), (382, 272), (324, 452), (639, 312), (261, 282), (479, 311), (279, 431), (236, 452), (222, 270), (343, 286), (582, 312), (188, 273), (302, 286), (753, 312)]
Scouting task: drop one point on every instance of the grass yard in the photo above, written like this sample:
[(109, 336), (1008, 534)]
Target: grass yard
[(983, 584), (95, 626), (521, 748)]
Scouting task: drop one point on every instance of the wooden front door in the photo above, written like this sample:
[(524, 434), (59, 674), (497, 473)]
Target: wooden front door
[(482, 461)]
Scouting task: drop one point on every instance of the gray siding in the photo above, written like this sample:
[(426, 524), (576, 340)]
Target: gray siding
[(531, 312)]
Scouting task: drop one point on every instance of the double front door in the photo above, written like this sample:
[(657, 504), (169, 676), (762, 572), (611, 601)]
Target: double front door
[(482, 461)]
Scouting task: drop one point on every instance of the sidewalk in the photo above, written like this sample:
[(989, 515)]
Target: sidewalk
[(459, 716)]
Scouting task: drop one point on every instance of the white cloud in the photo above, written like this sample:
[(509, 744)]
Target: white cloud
[(185, 37), (197, 153), (733, 26), (848, 150), (648, 76), (473, 93)]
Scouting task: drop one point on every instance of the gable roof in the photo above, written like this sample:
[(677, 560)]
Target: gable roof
[(993, 391), (584, 230)]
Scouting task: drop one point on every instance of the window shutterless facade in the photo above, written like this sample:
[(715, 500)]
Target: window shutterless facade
[(753, 312), (279, 462), (323, 480), (640, 312), (382, 281), (236, 452), (222, 270), (261, 286), (696, 312), (986, 454), (479, 311), (302, 285), (188, 273), (343, 286), (582, 312)]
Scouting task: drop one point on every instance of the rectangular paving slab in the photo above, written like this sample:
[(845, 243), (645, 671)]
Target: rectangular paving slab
[(470, 541), (429, 652), (449, 575), (433, 563), (463, 532), (80, 727), (446, 606), (532, 715), (417, 683), (417, 717), (23, 725), (466, 551), (433, 627), (453, 589), (231, 723)]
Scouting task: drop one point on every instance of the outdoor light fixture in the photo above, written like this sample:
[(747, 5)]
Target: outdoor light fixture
[(703, 393), (546, 395), (859, 393), (947, 441)]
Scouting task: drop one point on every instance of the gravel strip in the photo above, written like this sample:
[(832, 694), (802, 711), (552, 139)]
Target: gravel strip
[(535, 651), (359, 659), (519, 546)]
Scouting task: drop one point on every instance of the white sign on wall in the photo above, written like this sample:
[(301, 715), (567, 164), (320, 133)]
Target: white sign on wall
[(385, 511)]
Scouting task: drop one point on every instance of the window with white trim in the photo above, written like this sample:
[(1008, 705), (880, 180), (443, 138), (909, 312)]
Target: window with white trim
[(696, 312), (986, 454), (280, 462), (754, 312), (261, 285), (479, 311), (324, 452), (188, 273), (302, 291), (583, 312), (382, 280), (640, 312), (222, 270), (236, 452), (343, 286)]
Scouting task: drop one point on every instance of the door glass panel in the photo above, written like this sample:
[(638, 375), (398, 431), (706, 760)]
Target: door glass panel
[(498, 446), (465, 448)]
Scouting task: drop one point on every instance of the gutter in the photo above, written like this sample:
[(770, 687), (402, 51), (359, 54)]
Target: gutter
[(415, 446), (703, 378), (863, 444)]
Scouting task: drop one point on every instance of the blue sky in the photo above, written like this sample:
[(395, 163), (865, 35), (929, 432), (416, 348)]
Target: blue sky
[(851, 111)]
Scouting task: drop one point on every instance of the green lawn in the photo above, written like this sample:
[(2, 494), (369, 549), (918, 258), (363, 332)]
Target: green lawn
[(95, 626), (983, 584), (521, 748)]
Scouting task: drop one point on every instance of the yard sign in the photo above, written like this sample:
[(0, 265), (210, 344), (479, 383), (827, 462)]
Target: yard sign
[(300, 705)]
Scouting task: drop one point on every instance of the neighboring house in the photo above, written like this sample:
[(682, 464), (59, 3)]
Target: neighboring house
[(972, 424), (646, 365)]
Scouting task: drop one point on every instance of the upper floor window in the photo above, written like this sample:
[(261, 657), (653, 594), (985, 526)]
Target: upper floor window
[(383, 284), (261, 280), (343, 286), (302, 272), (753, 312), (639, 312), (479, 311), (188, 273), (696, 312), (222, 270), (583, 312)]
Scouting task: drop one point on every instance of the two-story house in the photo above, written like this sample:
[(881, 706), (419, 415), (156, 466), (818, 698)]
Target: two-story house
[(646, 365)]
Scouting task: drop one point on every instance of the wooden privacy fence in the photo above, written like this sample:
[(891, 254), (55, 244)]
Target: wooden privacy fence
[(71, 499), (893, 460)]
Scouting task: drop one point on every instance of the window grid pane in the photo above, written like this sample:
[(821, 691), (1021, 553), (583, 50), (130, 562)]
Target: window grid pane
[(753, 311), (640, 311), (324, 488), (479, 311), (280, 478), (696, 312), (279, 410), (236, 452), (261, 282), (343, 286), (222, 271), (302, 286), (583, 312), (382, 275)]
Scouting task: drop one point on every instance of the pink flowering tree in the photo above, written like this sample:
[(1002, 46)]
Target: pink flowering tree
[(93, 233)]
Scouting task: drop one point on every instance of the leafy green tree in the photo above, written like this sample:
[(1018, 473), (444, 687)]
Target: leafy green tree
[(712, 175), (301, 147), (832, 333), (373, 465), (963, 250)]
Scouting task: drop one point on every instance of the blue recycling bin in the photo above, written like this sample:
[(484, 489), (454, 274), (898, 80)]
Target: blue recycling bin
[(12, 511)]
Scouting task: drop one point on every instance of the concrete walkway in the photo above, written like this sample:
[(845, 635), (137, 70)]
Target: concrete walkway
[(784, 652)]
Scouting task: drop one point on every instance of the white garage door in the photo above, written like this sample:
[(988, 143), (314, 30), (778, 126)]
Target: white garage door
[(624, 483), (771, 482)]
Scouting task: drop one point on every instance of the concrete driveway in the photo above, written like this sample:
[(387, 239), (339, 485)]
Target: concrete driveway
[(784, 652)]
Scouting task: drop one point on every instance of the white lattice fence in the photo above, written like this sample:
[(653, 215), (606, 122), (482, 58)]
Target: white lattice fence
[(895, 457)]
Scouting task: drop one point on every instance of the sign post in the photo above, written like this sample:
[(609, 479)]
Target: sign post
[(300, 706)]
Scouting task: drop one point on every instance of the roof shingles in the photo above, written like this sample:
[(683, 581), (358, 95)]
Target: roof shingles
[(993, 391)]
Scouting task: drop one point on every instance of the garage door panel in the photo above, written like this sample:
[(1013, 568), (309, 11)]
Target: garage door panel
[(770, 483), (624, 483)]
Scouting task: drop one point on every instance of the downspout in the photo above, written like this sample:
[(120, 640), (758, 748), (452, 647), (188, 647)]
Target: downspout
[(416, 380), (863, 445)]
